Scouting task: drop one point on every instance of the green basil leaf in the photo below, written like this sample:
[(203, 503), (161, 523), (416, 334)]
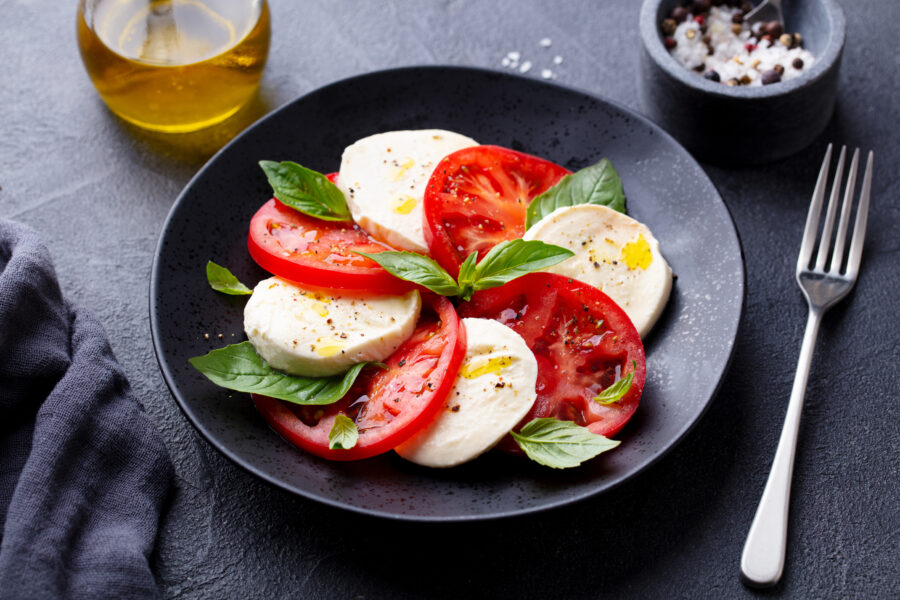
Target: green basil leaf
[(238, 367), (615, 392), (222, 280), (343, 434), (560, 444), (513, 258), (597, 184), (416, 268), (306, 190), (467, 270), (467, 277)]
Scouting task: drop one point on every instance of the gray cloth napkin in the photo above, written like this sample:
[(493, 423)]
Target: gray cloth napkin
[(84, 475)]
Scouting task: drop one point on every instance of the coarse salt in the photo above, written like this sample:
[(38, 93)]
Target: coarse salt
[(740, 56)]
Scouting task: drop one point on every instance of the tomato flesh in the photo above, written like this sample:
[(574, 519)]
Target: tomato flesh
[(477, 197), (319, 253), (582, 340), (388, 405)]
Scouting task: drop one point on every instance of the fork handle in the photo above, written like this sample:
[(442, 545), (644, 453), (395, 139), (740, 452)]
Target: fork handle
[(763, 558)]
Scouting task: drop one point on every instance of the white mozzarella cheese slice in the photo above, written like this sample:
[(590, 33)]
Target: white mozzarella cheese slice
[(614, 253), (383, 177), (494, 390), (305, 332)]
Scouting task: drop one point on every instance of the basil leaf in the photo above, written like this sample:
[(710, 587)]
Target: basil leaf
[(238, 367), (306, 190), (416, 268), (615, 392), (513, 258), (467, 270), (560, 444), (597, 184), (467, 276), (343, 434), (222, 280)]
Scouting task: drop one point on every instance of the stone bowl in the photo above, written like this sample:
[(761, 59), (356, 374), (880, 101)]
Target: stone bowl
[(743, 125)]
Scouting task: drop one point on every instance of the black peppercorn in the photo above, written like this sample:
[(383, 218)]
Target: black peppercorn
[(669, 26), (778, 69), (798, 63), (771, 76), (712, 75), (773, 28), (679, 13), (737, 18)]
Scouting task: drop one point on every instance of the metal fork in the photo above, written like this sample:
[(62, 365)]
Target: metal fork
[(763, 558)]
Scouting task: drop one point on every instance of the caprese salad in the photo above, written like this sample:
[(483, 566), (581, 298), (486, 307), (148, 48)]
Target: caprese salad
[(437, 297)]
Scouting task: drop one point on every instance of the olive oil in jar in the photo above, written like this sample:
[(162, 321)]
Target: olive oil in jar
[(174, 65)]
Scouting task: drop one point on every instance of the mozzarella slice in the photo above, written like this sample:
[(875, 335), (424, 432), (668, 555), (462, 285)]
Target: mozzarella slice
[(383, 177), (614, 253), (494, 390), (304, 332)]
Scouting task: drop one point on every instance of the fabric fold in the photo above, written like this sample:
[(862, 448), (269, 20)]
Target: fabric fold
[(84, 474)]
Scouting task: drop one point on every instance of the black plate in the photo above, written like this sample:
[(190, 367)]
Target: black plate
[(687, 354)]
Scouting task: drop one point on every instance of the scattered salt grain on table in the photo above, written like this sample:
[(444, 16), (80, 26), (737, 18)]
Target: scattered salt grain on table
[(515, 60)]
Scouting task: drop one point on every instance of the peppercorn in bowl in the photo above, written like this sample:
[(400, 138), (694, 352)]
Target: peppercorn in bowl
[(735, 92)]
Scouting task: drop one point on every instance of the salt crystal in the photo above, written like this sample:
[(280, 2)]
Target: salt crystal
[(514, 56), (505, 61), (547, 74), (526, 66), (557, 60), (546, 42)]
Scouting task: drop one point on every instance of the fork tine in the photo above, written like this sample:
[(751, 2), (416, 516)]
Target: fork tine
[(838, 256), (825, 244), (812, 218), (862, 217)]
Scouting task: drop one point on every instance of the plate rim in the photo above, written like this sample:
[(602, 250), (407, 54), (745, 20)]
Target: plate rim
[(192, 418)]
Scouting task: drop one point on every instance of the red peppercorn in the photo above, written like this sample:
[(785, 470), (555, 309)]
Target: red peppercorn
[(670, 42), (749, 47), (700, 19)]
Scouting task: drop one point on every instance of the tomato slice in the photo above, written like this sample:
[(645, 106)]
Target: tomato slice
[(387, 405), (319, 253), (476, 198), (583, 343)]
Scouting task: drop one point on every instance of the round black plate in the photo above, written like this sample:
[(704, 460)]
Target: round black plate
[(687, 353)]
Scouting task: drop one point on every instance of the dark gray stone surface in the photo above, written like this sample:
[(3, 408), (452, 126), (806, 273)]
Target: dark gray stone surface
[(99, 191)]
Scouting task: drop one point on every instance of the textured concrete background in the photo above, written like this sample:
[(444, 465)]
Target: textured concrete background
[(99, 191)]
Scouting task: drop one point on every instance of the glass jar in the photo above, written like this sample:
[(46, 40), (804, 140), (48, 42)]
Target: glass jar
[(174, 65)]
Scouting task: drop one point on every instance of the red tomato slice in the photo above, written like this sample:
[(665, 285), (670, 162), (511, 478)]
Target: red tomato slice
[(583, 343), (476, 198), (387, 405), (319, 253)]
